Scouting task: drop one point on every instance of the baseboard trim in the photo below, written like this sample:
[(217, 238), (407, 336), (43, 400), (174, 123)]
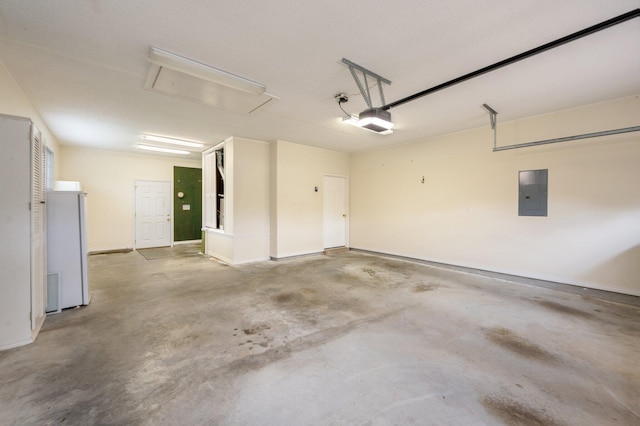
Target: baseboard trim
[(123, 250), (177, 243), (296, 256), (16, 344), (610, 296)]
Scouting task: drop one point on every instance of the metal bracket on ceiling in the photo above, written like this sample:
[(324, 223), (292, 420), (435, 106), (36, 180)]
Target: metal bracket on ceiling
[(364, 90), (492, 115), (493, 118)]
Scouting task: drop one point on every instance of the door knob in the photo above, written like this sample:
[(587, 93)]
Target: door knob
[(344, 215)]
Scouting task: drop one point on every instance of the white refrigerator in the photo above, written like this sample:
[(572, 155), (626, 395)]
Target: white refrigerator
[(67, 257)]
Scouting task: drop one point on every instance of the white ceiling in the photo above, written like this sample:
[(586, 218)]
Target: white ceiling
[(83, 64)]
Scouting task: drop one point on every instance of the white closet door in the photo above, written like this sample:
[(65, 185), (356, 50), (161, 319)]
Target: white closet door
[(38, 230)]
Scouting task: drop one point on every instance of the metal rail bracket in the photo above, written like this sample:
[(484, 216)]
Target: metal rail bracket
[(364, 89), (493, 118)]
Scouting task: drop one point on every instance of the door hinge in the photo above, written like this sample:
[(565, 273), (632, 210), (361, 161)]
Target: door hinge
[(29, 206)]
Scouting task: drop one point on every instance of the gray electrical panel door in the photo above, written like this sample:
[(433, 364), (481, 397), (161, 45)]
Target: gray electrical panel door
[(532, 192)]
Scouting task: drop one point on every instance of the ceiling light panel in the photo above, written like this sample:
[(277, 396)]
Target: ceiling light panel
[(205, 72), (160, 149), (173, 141), (184, 78)]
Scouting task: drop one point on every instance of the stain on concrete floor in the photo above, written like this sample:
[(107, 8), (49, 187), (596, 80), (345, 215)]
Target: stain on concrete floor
[(320, 340), (421, 288), (519, 345), (564, 309), (516, 413)]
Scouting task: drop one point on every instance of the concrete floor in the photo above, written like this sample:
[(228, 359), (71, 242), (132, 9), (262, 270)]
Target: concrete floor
[(346, 339)]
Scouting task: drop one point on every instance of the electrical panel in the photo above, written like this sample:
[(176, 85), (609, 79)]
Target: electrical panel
[(533, 192)]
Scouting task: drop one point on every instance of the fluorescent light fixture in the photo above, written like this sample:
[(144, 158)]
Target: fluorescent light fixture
[(173, 141), (205, 72), (354, 121), (160, 149), (376, 119)]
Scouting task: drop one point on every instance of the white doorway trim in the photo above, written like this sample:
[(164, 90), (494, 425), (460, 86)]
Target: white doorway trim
[(335, 211), (152, 214)]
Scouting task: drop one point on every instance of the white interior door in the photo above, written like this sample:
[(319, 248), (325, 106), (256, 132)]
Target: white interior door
[(153, 214), (335, 211)]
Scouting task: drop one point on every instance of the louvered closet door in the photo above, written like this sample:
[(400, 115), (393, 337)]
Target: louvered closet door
[(38, 230)]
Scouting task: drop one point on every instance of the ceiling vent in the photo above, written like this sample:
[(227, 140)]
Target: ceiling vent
[(174, 75)]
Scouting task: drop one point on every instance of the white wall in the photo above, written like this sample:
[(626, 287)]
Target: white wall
[(246, 233), (13, 101), (466, 212), (251, 173), (108, 177), (296, 209)]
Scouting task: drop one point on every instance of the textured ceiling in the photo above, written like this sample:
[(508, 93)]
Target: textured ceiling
[(83, 64)]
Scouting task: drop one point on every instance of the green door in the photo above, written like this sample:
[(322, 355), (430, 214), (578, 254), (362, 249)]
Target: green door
[(187, 203)]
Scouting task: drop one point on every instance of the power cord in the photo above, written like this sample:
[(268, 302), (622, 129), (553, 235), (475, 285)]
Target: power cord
[(342, 98)]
